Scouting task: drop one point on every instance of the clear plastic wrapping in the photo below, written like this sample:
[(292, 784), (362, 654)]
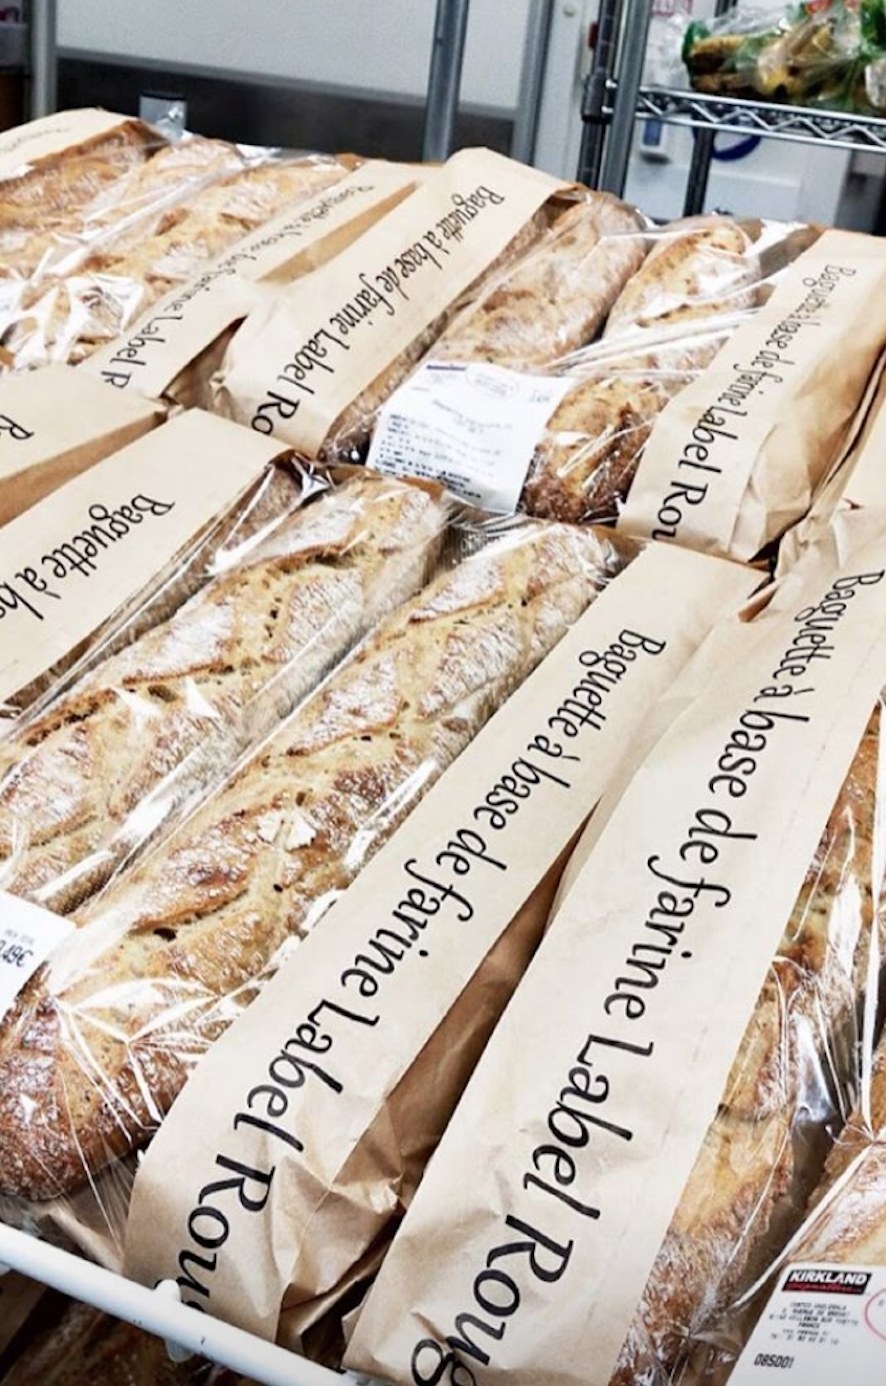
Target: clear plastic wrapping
[(556, 297), (168, 588), (90, 778), (583, 465), (653, 1138), (545, 294), (170, 954), (41, 193), (701, 279), (81, 280), (802, 1062), (682, 291)]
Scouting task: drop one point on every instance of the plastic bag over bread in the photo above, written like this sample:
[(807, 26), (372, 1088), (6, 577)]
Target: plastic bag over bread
[(701, 280), (597, 1210), (168, 956), (88, 780)]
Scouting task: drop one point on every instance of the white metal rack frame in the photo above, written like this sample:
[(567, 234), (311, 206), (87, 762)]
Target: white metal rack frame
[(159, 1311)]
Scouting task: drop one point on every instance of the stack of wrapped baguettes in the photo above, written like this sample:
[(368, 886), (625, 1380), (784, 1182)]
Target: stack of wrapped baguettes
[(498, 896)]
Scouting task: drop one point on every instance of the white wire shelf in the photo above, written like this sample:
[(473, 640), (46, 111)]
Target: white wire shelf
[(185, 1330), (838, 129)]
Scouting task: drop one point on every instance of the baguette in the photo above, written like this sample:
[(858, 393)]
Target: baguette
[(201, 209), (349, 435), (40, 211), (672, 317), (846, 1222), (557, 297), (101, 1043), (83, 783), (146, 201), (585, 462), (55, 185), (699, 266), (759, 1159), (549, 288)]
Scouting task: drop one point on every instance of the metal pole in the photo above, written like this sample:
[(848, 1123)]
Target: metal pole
[(699, 169), (43, 32), (444, 78), (629, 71), (532, 74), (702, 149), (596, 109)]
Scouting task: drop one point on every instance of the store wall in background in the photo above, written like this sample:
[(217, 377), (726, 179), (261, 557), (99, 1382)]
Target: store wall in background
[(306, 73)]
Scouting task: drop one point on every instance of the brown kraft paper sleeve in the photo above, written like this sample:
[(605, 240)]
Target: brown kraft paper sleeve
[(461, 868), (72, 560), (294, 366), (55, 423), (188, 319), (526, 1250), (737, 456), (854, 484), (26, 145)]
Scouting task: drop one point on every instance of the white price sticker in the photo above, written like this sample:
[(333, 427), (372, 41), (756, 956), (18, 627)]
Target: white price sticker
[(472, 427), (28, 934), (825, 1325)]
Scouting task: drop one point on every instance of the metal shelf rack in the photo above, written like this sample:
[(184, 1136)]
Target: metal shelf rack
[(801, 123), (616, 98)]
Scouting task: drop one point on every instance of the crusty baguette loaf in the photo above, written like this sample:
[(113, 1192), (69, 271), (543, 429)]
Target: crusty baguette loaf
[(545, 294), (147, 201), (100, 1045), (212, 550), (221, 212), (557, 297), (40, 211), (585, 461), (673, 315), (846, 1222), (53, 185), (758, 1162), (87, 781), (349, 434), (183, 217), (699, 266)]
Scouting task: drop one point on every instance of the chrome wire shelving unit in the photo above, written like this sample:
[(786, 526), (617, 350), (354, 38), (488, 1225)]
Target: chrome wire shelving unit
[(730, 114), (616, 98)]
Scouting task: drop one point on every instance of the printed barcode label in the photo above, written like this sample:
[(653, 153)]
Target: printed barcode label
[(825, 1325), (28, 934), (473, 427)]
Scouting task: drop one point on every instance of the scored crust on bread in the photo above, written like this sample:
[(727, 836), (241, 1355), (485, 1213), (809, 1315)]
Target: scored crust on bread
[(84, 783), (175, 224), (349, 435), (545, 294), (584, 463), (673, 315), (798, 1058), (100, 1043), (58, 183), (555, 298), (846, 1220), (697, 267)]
